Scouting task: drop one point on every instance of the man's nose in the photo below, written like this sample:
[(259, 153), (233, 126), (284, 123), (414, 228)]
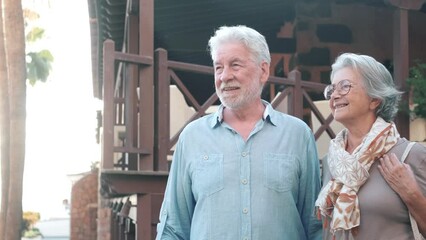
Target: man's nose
[(226, 74)]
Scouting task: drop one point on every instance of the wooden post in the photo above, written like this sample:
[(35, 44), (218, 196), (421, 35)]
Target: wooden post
[(130, 81), (146, 84), (108, 113), (144, 228), (401, 62), (297, 100), (162, 110)]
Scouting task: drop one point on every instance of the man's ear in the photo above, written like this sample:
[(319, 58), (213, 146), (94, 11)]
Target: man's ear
[(265, 72)]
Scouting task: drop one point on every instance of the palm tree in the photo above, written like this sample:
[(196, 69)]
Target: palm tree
[(13, 117), (4, 129), (13, 76)]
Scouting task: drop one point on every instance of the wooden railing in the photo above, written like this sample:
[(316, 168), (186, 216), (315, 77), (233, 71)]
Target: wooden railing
[(123, 96)]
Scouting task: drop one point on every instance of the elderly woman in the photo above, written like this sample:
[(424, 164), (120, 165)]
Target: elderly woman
[(368, 192)]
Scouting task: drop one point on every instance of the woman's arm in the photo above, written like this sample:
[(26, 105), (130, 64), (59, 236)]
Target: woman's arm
[(400, 178)]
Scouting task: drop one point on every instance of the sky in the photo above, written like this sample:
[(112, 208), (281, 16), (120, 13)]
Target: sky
[(61, 113)]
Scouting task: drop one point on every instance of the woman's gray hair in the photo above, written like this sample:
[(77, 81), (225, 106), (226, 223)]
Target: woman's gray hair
[(250, 38), (376, 79)]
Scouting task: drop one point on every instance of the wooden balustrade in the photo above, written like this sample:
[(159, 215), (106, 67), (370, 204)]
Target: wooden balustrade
[(122, 106)]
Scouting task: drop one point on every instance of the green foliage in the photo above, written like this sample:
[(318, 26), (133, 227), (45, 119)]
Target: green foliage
[(29, 219), (39, 65), (32, 233), (417, 82), (35, 34)]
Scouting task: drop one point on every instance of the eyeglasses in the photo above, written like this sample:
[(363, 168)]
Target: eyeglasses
[(343, 87)]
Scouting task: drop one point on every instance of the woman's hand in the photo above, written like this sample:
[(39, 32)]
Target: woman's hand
[(401, 179), (399, 176)]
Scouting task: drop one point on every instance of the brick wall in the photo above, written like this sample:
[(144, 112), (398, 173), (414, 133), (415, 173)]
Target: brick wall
[(104, 220), (84, 207)]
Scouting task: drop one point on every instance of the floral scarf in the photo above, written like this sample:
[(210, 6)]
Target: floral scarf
[(338, 199)]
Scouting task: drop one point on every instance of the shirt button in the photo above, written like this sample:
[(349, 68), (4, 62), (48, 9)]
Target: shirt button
[(245, 210), (246, 238), (244, 181), (205, 157), (243, 154)]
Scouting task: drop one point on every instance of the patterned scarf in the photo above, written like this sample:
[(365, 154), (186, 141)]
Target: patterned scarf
[(338, 199)]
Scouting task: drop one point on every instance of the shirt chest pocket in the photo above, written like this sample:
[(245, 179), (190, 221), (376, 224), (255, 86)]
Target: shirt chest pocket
[(280, 171), (208, 178)]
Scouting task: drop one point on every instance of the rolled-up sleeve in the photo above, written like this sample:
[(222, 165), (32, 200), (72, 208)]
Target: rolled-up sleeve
[(309, 189), (178, 204)]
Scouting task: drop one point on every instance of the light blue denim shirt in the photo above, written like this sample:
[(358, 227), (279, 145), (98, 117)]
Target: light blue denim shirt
[(222, 187)]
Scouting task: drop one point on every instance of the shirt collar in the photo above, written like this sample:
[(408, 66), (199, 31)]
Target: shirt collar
[(269, 115)]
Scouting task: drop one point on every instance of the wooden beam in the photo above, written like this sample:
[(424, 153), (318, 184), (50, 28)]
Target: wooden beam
[(116, 183), (406, 4)]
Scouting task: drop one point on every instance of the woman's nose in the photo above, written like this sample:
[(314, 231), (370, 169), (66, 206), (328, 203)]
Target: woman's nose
[(335, 94)]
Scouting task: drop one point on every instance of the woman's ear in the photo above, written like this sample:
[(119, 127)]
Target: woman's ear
[(375, 102)]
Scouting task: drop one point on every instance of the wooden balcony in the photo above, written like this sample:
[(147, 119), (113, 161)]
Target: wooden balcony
[(126, 147)]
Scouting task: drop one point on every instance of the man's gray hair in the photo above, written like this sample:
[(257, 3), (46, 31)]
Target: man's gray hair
[(250, 38)]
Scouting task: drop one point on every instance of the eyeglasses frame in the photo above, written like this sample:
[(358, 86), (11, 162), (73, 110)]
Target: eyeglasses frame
[(339, 87)]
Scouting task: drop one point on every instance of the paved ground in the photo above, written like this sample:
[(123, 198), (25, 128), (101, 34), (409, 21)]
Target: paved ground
[(54, 229)]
